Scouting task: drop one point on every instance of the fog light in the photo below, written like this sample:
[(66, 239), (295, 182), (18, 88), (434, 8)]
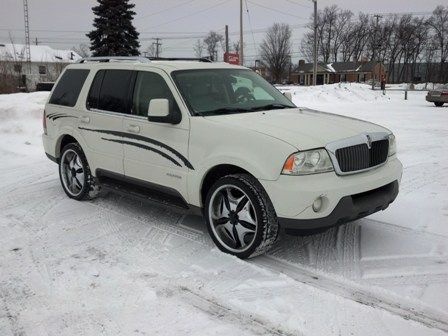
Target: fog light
[(317, 204)]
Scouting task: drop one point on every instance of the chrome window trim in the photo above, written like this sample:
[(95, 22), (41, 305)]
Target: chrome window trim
[(362, 138), (107, 112)]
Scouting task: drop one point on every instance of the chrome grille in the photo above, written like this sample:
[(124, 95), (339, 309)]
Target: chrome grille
[(360, 157)]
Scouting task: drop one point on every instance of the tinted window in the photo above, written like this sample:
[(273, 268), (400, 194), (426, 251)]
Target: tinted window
[(220, 91), (69, 86), (115, 90), (94, 93), (149, 86)]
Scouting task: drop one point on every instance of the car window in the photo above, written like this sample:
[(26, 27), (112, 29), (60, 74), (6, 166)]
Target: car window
[(69, 86), (150, 85), (114, 91), (94, 92), (224, 91)]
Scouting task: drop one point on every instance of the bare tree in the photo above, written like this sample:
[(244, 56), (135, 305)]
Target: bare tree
[(212, 41), (236, 46), (151, 50), (439, 24), (82, 50), (198, 48), (276, 50)]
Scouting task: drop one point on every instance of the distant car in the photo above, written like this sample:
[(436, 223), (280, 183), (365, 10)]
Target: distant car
[(439, 96)]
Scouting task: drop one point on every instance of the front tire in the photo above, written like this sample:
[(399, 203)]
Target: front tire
[(74, 173), (438, 104), (240, 216)]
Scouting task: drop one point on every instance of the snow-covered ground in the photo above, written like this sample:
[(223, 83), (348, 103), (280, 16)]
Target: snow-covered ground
[(114, 266)]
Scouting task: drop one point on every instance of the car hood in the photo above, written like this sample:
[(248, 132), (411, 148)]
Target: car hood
[(301, 127)]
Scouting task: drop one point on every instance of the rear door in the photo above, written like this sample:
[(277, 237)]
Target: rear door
[(156, 152), (101, 123)]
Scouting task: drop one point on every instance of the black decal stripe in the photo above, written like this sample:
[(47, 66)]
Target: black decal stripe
[(142, 138), (145, 147), (57, 117), (51, 116)]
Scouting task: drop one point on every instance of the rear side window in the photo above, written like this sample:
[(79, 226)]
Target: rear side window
[(94, 93), (69, 86), (110, 91)]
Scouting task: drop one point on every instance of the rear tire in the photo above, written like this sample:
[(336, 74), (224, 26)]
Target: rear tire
[(438, 104), (240, 216), (75, 175)]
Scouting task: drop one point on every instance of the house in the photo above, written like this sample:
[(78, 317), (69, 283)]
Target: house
[(46, 64), (338, 72)]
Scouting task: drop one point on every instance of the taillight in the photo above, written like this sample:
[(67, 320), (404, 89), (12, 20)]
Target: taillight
[(444, 93), (44, 123)]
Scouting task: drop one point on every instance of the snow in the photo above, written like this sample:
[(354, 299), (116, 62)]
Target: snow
[(117, 267), (38, 53)]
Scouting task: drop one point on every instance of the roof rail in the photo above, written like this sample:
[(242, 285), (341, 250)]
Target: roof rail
[(105, 59), (201, 59)]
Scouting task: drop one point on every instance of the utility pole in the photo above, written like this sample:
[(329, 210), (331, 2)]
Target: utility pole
[(158, 45), (27, 36), (377, 16), (241, 34), (315, 45), (227, 38)]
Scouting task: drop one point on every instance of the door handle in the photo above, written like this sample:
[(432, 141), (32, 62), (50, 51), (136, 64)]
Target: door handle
[(84, 119), (134, 128)]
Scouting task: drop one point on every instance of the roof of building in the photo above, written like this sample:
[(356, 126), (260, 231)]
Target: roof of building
[(337, 67), (38, 53)]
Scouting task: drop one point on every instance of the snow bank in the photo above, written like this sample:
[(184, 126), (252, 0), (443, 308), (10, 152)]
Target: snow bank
[(21, 122), (334, 93)]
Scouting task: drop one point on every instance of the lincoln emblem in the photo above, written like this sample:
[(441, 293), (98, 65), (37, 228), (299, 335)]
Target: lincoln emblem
[(369, 141)]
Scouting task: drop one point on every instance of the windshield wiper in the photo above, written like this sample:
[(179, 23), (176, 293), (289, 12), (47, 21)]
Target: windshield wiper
[(271, 107), (225, 110)]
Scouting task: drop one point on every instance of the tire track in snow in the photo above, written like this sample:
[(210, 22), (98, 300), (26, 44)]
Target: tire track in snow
[(320, 254), (346, 240)]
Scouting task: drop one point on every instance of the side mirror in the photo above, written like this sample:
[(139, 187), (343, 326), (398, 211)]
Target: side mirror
[(159, 111), (288, 95)]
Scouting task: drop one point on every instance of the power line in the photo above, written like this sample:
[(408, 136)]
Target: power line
[(164, 10), (189, 15), (298, 4), (276, 10), (250, 23)]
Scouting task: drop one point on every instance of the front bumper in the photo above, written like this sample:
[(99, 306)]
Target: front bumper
[(293, 196), (348, 209)]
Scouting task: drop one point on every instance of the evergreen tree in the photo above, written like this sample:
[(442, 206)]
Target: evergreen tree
[(114, 34)]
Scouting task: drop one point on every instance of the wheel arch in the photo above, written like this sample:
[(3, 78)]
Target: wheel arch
[(215, 173), (63, 140)]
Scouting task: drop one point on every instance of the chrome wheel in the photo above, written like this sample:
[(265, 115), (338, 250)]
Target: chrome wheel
[(72, 172), (232, 217)]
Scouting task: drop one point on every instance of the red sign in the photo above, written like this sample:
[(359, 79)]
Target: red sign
[(232, 58)]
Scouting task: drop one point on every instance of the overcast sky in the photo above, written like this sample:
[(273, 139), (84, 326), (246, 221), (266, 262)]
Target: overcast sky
[(63, 23)]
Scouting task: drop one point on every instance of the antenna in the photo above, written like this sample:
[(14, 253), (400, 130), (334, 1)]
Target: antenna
[(27, 35)]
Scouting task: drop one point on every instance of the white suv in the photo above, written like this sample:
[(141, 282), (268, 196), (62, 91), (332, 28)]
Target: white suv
[(217, 140)]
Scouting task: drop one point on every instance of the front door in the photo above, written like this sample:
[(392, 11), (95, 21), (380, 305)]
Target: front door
[(156, 152)]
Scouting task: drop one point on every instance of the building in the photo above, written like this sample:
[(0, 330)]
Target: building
[(338, 72), (46, 64)]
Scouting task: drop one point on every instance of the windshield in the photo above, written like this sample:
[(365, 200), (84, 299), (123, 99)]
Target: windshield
[(225, 91)]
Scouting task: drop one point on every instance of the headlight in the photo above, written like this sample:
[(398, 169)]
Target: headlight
[(308, 162), (392, 145)]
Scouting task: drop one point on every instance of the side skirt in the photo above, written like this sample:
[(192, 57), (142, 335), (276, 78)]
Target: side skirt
[(145, 191)]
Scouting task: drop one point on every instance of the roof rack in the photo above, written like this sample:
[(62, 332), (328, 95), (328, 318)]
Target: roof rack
[(201, 59), (105, 59)]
